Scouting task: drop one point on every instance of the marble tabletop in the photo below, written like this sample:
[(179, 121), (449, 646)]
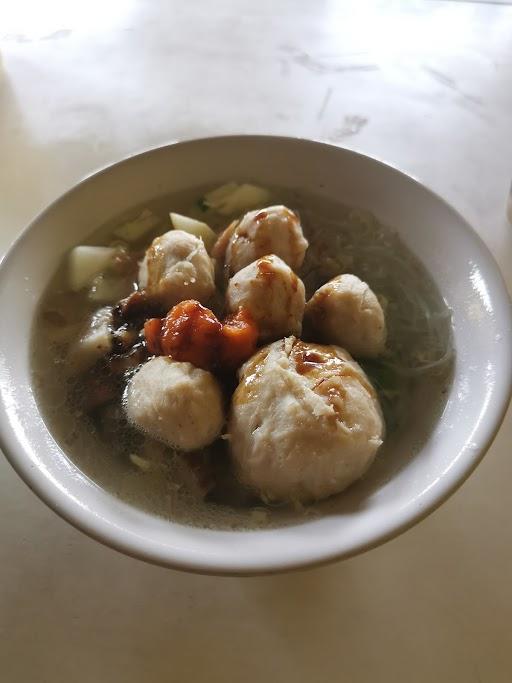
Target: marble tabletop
[(426, 86)]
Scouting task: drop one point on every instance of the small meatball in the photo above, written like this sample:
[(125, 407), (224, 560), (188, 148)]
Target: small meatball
[(346, 312), (273, 295), (175, 403), (305, 422), (176, 267), (96, 342), (274, 230)]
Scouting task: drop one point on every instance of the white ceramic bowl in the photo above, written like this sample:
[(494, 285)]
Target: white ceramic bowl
[(381, 506)]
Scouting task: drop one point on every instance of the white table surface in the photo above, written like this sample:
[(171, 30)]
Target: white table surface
[(426, 86)]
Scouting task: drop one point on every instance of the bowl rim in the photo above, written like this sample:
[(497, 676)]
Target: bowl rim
[(450, 482)]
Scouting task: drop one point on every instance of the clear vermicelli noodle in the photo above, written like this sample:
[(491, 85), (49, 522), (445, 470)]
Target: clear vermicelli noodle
[(82, 388)]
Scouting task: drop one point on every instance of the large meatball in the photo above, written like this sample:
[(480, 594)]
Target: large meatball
[(273, 295), (274, 230), (305, 421), (175, 403), (177, 267), (346, 312)]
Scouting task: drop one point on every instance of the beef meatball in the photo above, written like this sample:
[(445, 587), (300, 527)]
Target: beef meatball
[(273, 295), (175, 403), (274, 230), (305, 422), (177, 267), (346, 312)]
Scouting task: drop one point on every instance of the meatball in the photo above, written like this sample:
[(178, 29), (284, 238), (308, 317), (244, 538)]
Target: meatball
[(274, 230), (177, 267), (305, 422), (273, 295), (346, 312), (175, 403)]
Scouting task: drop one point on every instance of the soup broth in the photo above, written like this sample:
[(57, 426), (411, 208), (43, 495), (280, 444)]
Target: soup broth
[(411, 378)]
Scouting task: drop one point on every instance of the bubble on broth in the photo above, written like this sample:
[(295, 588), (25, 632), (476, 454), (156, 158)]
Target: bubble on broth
[(411, 380)]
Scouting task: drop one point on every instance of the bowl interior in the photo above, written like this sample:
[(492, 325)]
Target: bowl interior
[(372, 511)]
